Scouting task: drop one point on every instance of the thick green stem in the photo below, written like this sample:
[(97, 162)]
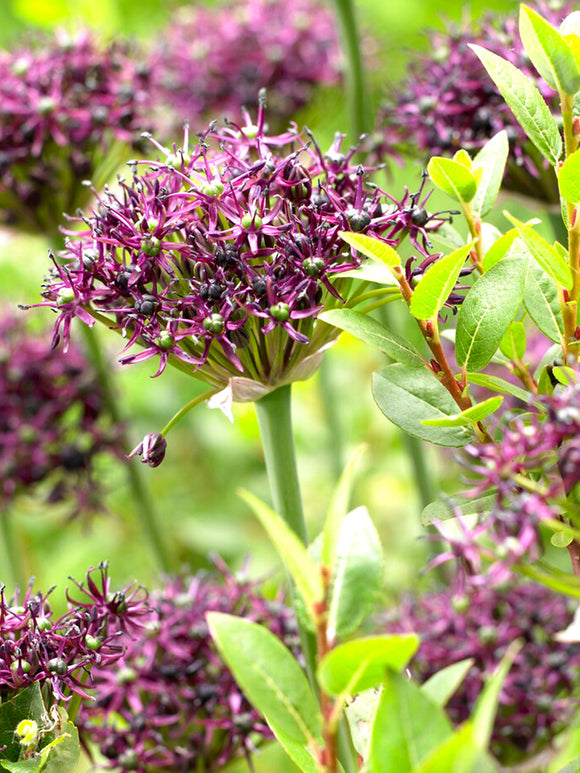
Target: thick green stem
[(12, 568), (141, 499), (357, 95)]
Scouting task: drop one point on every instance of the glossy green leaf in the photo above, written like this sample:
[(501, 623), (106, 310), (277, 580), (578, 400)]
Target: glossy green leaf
[(441, 510), (565, 375), (407, 396), (437, 283), (542, 304), (361, 664), (492, 159), (500, 249), (408, 727), (301, 566), (486, 707), (447, 237), (526, 103), (372, 248), (371, 270), (513, 344), (463, 157), (452, 177), (569, 178), (548, 51), (298, 752), (498, 384), (338, 508), (469, 416), (269, 675), (441, 686), (64, 756), (458, 754), (360, 714), (27, 704), (548, 257), (487, 311), (356, 573), (371, 332)]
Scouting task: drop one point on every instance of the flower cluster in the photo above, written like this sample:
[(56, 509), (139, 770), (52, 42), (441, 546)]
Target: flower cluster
[(539, 694), (214, 60), (61, 652), (217, 259), (64, 108), (171, 704), (528, 473), (449, 102), (52, 423)]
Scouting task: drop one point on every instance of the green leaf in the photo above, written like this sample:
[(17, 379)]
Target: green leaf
[(32, 765), (371, 332), (407, 396), (441, 510), (269, 675), (356, 574), (338, 509), (525, 102), (371, 270), (564, 374), (542, 304), (458, 754), (513, 344), (452, 177), (569, 178), (360, 714), (441, 686), (499, 249), (298, 752), (492, 159), (408, 727), (487, 311), (548, 257), (437, 283), (372, 248), (498, 385), (301, 566), (548, 51), (65, 754), (469, 415), (361, 664), (486, 707), (561, 540), (27, 704), (448, 237)]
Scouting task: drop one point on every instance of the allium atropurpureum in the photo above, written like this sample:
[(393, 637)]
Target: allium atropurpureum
[(527, 473), (53, 421), (217, 259), (448, 101), (214, 60), (540, 693), (60, 653), (171, 704), (67, 107)]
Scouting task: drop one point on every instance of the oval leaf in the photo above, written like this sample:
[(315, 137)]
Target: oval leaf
[(437, 283), (356, 574), (569, 178), (441, 686), (363, 663), (498, 385), (469, 415), (492, 159), (525, 102), (543, 305), (548, 257), (269, 675), (550, 54), (452, 177), (407, 396), (371, 247), (513, 344)]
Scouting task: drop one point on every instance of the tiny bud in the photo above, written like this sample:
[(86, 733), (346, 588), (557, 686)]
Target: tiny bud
[(250, 132), (251, 221), (460, 604), (93, 642), (487, 634), (151, 246), (313, 266), (65, 295), (20, 666), (213, 189), (358, 221), (419, 217), (214, 324), (57, 666), (151, 450), (280, 311), (43, 624), (165, 341)]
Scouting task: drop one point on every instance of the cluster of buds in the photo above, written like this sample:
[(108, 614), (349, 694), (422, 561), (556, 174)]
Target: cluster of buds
[(214, 60), (61, 652), (217, 259), (66, 108), (171, 703), (448, 102), (538, 696), (53, 421)]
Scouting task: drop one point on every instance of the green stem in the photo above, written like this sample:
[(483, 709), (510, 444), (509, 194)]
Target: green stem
[(141, 499), (12, 573), (358, 107), (187, 408)]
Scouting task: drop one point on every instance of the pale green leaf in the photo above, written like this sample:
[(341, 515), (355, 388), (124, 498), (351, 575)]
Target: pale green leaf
[(372, 248), (486, 707), (548, 257), (542, 304), (569, 178), (513, 344), (441, 686), (437, 283), (469, 415), (338, 508), (498, 384), (452, 177), (492, 159), (549, 53), (441, 510)]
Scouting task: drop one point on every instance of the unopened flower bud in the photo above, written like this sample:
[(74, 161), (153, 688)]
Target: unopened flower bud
[(214, 324), (280, 311), (151, 449)]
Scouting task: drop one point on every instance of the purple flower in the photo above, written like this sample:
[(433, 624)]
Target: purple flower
[(66, 107), (213, 61), (52, 419), (171, 703), (449, 102), (61, 652), (218, 258), (538, 696), (151, 449)]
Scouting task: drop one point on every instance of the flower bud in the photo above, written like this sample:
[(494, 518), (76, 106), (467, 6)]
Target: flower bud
[(151, 449)]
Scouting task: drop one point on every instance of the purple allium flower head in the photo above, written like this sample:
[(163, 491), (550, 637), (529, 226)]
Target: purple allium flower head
[(540, 693), (212, 61), (66, 107), (53, 421), (217, 259), (448, 102), (171, 703), (61, 653)]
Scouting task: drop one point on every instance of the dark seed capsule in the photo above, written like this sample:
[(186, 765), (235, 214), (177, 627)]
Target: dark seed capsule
[(259, 286), (419, 217), (358, 221), (57, 666)]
